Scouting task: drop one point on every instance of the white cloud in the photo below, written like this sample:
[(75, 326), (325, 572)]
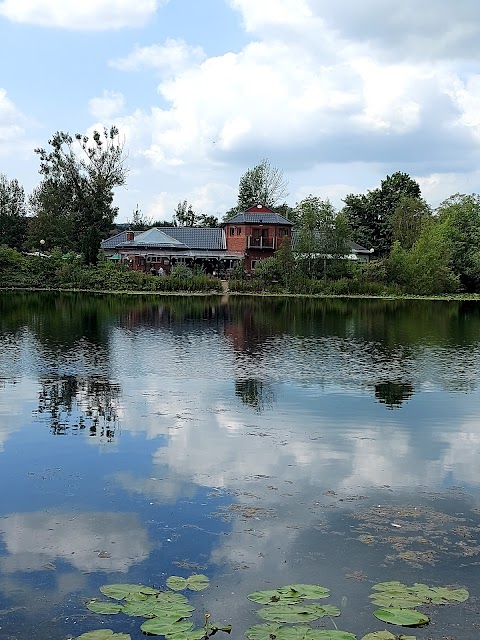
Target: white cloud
[(36, 538), (95, 15), (171, 57), (106, 106), (11, 123)]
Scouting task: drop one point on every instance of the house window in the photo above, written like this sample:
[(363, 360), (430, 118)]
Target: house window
[(232, 231), (239, 231), (253, 264), (282, 233)]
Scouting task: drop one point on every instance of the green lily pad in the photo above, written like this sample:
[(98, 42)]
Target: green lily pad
[(196, 582), (329, 634), (162, 627), (104, 634), (103, 606), (402, 617), (449, 594), (194, 634), (264, 631), (386, 635), (400, 596), (306, 591), (171, 598), (274, 596), (297, 613), (122, 591)]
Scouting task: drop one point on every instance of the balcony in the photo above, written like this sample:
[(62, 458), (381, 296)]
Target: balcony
[(260, 243)]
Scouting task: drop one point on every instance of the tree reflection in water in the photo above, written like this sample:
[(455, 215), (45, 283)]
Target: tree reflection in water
[(73, 404), (393, 394), (255, 393)]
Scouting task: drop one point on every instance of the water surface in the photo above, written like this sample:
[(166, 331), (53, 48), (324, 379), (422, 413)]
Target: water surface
[(261, 442)]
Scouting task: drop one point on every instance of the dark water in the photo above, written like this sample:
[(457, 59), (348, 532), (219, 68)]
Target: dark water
[(261, 442)]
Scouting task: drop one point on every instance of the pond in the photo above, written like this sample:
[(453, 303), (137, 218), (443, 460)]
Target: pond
[(260, 442)]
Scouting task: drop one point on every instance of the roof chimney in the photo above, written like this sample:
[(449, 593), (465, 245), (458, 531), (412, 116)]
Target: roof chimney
[(129, 236)]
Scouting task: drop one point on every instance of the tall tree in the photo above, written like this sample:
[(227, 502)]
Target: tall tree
[(322, 234), (139, 222), (459, 217), (263, 184), (13, 213), (87, 169), (370, 215), (408, 219), (184, 215), (53, 223)]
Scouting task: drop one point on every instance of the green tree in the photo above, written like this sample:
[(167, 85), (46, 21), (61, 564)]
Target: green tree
[(13, 213), (53, 224), (459, 216), (184, 215), (263, 184), (408, 219), (426, 268), (322, 235), (88, 169), (370, 215), (139, 222)]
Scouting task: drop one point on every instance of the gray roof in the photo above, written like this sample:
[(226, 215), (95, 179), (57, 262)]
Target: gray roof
[(206, 238), (199, 237), (154, 237), (261, 217), (354, 247), (114, 241)]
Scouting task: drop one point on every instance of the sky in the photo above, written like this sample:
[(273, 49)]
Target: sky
[(338, 95)]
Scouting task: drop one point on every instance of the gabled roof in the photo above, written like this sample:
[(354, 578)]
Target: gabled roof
[(260, 217), (207, 238), (154, 238), (199, 237), (114, 241)]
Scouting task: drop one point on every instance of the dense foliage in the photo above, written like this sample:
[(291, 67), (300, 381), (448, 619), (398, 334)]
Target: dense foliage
[(67, 271)]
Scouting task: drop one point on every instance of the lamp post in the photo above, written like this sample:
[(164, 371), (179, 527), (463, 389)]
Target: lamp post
[(42, 244)]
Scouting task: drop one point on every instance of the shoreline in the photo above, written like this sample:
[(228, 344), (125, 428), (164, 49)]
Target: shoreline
[(460, 297)]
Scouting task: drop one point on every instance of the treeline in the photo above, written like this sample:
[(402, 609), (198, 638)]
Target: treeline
[(415, 248)]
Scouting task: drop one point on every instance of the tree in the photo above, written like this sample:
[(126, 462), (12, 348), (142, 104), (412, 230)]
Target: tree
[(13, 213), (370, 215), (322, 234), (139, 222), (53, 224), (184, 215), (86, 170), (263, 184), (408, 219), (426, 268), (459, 216)]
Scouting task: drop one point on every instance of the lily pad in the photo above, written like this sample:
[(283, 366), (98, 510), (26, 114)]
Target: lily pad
[(297, 613), (104, 634), (122, 591), (398, 595), (163, 627), (274, 596), (104, 606), (196, 582), (329, 634), (306, 591), (194, 634), (264, 631), (386, 635), (402, 617)]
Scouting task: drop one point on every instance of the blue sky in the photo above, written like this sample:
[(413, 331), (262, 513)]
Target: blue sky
[(337, 95)]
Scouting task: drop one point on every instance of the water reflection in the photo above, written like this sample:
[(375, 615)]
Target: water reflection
[(247, 436), (73, 404), (104, 542)]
